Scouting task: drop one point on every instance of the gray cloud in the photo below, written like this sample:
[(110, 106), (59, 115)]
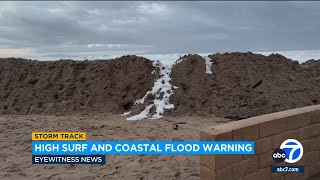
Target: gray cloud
[(156, 27)]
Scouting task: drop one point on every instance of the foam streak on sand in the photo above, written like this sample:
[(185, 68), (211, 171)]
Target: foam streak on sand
[(208, 64), (161, 91)]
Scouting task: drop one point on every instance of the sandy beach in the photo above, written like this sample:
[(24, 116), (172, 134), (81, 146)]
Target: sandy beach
[(15, 149)]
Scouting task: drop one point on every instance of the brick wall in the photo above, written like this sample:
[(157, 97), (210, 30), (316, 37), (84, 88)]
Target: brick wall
[(268, 132)]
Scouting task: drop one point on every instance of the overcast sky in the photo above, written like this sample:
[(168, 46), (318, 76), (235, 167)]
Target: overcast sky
[(105, 28)]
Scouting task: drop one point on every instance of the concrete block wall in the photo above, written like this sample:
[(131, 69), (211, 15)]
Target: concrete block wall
[(268, 132)]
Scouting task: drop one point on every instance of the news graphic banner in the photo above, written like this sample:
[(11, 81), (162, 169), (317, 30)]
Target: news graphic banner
[(143, 147), (64, 159), (60, 136), (72, 148), (68, 159)]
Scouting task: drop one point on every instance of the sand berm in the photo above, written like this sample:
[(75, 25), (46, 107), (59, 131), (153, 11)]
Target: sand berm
[(242, 85)]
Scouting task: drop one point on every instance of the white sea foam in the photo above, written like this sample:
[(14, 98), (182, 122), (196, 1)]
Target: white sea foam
[(208, 64), (161, 91)]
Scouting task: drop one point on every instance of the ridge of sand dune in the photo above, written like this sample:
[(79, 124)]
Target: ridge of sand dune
[(241, 85), (31, 87), (313, 67)]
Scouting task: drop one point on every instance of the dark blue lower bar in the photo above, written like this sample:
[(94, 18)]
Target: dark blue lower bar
[(68, 159), (287, 169)]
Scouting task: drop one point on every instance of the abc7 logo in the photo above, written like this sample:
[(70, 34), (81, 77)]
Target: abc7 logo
[(290, 151)]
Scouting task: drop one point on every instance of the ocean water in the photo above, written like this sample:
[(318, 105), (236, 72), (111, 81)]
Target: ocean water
[(300, 56)]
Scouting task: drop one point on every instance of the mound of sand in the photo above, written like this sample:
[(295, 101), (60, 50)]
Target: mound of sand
[(313, 67), (241, 85), (73, 86)]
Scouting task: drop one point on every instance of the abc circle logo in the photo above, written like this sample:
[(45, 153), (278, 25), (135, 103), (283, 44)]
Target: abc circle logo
[(290, 151), (279, 155)]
